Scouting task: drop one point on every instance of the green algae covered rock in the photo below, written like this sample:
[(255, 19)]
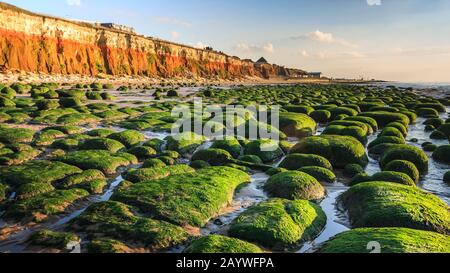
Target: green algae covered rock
[(143, 152), (94, 181), (351, 170), (408, 153), (384, 204), (40, 207), (15, 135), (15, 154), (107, 144), (39, 171), (184, 143), (297, 161), (384, 118), (214, 157), (117, 221), (279, 224), (214, 244), (230, 145), (294, 185), (107, 246), (128, 138), (139, 175), (386, 176), (53, 239), (188, 198), (339, 150), (98, 159), (405, 167), (295, 124), (319, 173), (392, 240), (442, 154), (266, 149)]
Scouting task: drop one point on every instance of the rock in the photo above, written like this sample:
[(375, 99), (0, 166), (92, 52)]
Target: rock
[(391, 240), (279, 224), (53, 239), (187, 198), (339, 150), (214, 157), (128, 138), (267, 150), (98, 159), (442, 154), (408, 153), (117, 221), (384, 204), (294, 185), (297, 161), (107, 144), (220, 244), (145, 174)]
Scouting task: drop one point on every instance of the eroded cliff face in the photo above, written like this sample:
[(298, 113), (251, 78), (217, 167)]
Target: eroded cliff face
[(36, 43)]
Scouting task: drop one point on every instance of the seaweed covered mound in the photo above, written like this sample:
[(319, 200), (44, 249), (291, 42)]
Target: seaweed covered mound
[(384, 204), (221, 244), (295, 185), (339, 150), (392, 240), (185, 199), (117, 220), (279, 223)]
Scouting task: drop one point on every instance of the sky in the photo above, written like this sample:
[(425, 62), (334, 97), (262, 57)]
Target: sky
[(397, 40)]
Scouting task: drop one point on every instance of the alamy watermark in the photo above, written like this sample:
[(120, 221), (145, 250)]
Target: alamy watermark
[(217, 122)]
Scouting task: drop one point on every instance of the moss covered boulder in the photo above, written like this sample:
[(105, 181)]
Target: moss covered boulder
[(107, 246), (220, 244), (128, 138), (294, 185), (184, 143), (405, 167), (383, 204), (442, 154), (107, 144), (214, 157), (40, 207), (319, 173), (139, 175), (384, 118), (230, 145), (188, 198), (408, 153), (296, 161), (98, 159), (15, 135), (94, 181), (279, 223), (392, 240), (118, 221), (15, 154), (142, 152), (339, 150), (296, 124), (39, 171), (53, 239), (266, 149), (386, 176)]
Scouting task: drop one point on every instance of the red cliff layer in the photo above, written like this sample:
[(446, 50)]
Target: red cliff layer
[(36, 43)]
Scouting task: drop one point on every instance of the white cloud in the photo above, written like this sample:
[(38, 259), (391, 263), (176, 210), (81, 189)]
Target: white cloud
[(374, 2), (250, 48), (355, 54), (74, 3), (323, 37), (304, 53), (171, 21), (174, 35)]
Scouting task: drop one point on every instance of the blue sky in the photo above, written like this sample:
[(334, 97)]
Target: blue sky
[(406, 40)]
